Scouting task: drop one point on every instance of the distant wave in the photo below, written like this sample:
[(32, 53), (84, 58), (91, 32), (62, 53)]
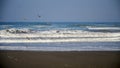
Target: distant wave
[(104, 28)]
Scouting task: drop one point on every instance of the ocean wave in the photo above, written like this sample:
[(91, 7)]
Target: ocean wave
[(40, 26), (53, 33), (56, 35), (103, 28), (2, 27), (60, 40), (15, 30)]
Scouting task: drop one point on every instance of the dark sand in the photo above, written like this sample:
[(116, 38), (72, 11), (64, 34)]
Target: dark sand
[(39, 59)]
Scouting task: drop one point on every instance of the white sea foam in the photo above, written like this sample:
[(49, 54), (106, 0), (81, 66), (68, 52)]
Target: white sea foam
[(104, 28), (55, 36), (54, 48)]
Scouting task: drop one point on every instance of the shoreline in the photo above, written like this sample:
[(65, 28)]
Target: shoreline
[(58, 59), (71, 46)]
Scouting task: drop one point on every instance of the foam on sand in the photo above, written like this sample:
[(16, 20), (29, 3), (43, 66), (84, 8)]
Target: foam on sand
[(70, 46)]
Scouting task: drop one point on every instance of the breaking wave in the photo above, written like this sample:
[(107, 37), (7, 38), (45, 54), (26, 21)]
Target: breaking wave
[(31, 36)]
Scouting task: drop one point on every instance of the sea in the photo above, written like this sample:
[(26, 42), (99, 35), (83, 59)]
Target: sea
[(60, 36)]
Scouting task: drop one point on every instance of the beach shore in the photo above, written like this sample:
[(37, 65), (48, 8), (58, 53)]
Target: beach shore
[(57, 59)]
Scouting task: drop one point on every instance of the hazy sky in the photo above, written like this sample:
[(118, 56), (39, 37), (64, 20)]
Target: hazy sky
[(60, 10)]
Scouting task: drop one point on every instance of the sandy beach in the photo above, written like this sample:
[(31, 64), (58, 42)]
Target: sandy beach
[(57, 59)]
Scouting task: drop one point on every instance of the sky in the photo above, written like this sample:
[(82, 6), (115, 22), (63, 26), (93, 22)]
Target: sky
[(60, 10)]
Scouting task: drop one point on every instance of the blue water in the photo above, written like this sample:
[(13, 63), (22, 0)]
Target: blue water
[(57, 25)]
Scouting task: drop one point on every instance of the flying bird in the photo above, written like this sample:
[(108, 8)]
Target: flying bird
[(39, 16)]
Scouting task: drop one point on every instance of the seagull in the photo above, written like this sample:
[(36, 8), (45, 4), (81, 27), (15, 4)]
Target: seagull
[(39, 16)]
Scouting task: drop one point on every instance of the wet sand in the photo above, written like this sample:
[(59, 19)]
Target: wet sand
[(40, 59)]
